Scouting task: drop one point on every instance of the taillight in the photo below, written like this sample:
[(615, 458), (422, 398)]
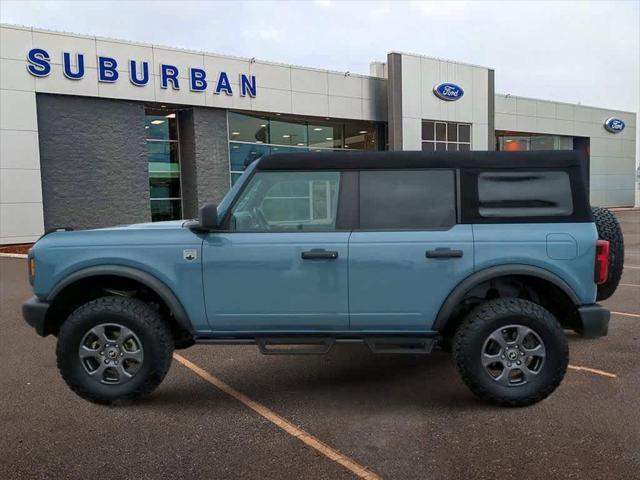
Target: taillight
[(602, 261)]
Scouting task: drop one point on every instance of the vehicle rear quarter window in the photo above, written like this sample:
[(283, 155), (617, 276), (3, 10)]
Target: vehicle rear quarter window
[(525, 194), (407, 199)]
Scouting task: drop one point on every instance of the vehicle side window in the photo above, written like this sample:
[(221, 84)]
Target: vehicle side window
[(524, 194), (288, 201), (407, 199)]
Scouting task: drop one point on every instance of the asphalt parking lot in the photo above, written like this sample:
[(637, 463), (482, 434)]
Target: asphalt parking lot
[(388, 416)]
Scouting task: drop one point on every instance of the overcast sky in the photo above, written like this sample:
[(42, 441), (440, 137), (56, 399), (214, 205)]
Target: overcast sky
[(585, 52)]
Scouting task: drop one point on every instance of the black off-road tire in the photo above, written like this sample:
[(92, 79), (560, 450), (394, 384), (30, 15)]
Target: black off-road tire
[(139, 317), (481, 322), (609, 229)]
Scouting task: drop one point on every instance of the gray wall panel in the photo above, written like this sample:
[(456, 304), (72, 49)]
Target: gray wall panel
[(93, 161), (211, 154)]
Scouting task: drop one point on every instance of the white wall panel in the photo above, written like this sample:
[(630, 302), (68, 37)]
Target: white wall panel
[(345, 107), (182, 60), (310, 81), (345, 86), (18, 110), (19, 149), (55, 44), (19, 185), (58, 83), (270, 76), (15, 43), (314, 104), (124, 52), (14, 76), (20, 222)]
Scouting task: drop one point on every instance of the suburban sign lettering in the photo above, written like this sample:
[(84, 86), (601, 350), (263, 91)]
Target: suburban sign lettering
[(614, 125), (73, 68), (448, 91)]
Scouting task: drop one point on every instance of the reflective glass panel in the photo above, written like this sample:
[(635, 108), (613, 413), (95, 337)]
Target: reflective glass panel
[(288, 133), (325, 135), (248, 128), (243, 154), (162, 210), (161, 127)]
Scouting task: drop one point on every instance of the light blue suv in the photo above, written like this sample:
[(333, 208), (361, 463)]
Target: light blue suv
[(488, 254)]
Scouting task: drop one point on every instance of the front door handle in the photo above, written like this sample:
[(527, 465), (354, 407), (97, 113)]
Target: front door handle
[(319, 255), (444, 253)]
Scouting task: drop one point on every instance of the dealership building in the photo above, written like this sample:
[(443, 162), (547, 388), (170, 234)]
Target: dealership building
[(97, 132)]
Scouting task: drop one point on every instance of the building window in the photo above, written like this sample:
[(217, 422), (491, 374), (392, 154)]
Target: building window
[(518, 142), (441, 136), (252, 136), (163, 154)]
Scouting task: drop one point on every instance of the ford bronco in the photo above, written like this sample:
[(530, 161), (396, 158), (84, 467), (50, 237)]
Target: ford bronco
[(490, 255)]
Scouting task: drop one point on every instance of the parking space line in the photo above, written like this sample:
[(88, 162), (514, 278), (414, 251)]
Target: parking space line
[(592, 370), (629, 285), (632, 266), (280, 422), (626, 314)]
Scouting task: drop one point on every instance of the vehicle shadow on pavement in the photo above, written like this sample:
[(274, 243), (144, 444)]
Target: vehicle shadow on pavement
[(348, 378)]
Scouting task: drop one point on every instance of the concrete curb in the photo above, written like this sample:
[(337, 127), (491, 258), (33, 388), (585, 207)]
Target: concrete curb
[(13, 255)]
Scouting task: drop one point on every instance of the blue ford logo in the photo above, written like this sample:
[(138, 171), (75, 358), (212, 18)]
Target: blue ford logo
[(448, 91), (614, 125)]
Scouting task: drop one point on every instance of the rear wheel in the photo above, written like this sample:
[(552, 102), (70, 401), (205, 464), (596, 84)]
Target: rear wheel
[(609, 229), (114, 349), (511, 352)]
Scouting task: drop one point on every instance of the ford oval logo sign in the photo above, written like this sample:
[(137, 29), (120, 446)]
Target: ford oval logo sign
[(614, 125), (448, 91)]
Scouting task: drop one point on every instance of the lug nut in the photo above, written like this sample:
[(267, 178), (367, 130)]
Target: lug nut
[(508, 364), (102, 353), (122, 354), (522, 354), (518, 362), (502, 357), (106, 361)]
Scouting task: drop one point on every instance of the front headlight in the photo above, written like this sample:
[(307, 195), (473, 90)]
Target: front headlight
[(32, 266)]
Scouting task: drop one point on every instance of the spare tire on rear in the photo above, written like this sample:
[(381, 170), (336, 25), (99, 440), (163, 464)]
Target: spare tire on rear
[(609, 229)]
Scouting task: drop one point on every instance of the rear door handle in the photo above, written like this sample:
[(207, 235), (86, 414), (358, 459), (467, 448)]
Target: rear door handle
[(319, 255), (444, 253)]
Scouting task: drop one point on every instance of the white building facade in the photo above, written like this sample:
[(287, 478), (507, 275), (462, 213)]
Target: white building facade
[(95, 132)]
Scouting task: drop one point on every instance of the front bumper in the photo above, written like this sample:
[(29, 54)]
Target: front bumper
[(593, 320), (34, 312)]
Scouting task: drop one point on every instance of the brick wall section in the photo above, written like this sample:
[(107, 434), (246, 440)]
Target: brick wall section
[(93, 161), (212, 153), (204, 157)]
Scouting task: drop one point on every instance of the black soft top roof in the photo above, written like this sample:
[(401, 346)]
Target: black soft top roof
[(398, 160)]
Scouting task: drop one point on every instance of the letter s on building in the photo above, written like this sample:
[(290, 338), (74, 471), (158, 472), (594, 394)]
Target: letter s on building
[(39, 65)]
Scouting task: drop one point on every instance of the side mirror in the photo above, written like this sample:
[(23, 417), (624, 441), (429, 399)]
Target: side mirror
[(209, 216)]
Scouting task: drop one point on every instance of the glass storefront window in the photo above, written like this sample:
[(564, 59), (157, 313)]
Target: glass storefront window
[(160, 126), (247, 128), (252, 136), (326, 135), (524, 142), (288, 133), (360, 137), (445, 136), (163, 158)]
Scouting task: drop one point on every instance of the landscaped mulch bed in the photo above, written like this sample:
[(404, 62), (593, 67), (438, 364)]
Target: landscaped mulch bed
[(21, 248)]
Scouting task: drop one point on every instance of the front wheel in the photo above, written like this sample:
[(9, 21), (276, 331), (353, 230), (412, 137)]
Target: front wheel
[(511, 352), (114, 349)]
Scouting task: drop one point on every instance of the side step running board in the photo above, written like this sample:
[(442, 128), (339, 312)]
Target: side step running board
[(396, 345), (295, 345)]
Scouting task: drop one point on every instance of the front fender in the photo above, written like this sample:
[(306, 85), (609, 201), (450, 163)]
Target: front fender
[(150, 281)]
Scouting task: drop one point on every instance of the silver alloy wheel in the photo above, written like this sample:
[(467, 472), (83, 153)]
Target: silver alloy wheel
[(111, 353), (513, 355)]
